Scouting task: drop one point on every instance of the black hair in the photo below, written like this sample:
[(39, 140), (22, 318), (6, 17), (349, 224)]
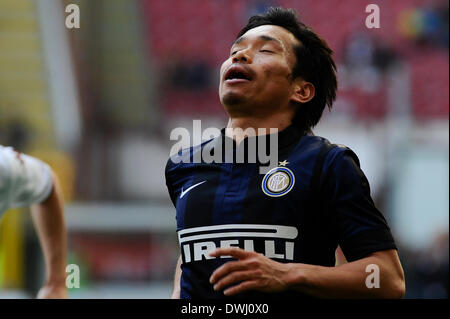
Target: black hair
[(314, 64)]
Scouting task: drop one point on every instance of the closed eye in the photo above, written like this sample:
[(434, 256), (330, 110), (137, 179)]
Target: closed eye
[(266, 51)]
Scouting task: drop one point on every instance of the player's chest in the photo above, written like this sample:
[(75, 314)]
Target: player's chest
[(236, 193)]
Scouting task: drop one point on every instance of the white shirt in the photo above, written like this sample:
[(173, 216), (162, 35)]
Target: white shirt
[(24, 180)]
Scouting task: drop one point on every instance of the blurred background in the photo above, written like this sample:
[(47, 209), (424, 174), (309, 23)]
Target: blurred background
[(98, 104)]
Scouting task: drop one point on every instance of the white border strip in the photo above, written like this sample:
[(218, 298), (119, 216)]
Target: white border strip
[(286, 232)]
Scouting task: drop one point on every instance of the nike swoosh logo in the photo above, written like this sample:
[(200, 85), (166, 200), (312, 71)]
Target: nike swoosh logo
[(188, 189)]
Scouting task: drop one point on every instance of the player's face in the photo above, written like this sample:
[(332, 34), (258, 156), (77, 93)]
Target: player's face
[(256, 76)]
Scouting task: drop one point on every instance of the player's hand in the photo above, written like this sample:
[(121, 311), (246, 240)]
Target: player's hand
[(252, 271), (53, 291)]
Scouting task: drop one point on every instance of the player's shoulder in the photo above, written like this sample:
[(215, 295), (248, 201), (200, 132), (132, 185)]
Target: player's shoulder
[(185, 157), (7, 155), (332, 152), (6, 152)]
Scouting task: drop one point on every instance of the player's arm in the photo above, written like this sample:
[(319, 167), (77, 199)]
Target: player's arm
[(253, 271), (176, 280), (379, 275), (352, 209), (48, 219), (177, 276), (32, 183)]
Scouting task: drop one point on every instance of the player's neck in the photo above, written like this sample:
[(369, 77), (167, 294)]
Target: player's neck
[(242, 127)]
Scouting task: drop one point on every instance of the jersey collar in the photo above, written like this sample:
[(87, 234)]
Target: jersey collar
[(286, 137)]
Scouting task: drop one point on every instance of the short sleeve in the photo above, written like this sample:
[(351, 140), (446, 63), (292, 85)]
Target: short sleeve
[(169, 183), (29, 179), (360, 227)]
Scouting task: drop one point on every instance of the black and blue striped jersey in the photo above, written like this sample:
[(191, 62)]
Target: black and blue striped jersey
[(299, 211)]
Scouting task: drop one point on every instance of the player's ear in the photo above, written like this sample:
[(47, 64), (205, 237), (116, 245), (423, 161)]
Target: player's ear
[(303, 91)]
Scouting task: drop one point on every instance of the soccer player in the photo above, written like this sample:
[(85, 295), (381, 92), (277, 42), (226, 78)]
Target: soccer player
[(274, 235), (27, 181)]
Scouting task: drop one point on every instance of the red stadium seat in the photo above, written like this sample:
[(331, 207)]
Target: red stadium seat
[(429, 85), (189, 28)]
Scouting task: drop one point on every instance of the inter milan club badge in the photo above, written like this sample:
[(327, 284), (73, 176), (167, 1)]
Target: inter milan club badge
[(278, 181)]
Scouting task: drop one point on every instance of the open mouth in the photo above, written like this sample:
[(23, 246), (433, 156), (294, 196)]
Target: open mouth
[(235, 73)]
